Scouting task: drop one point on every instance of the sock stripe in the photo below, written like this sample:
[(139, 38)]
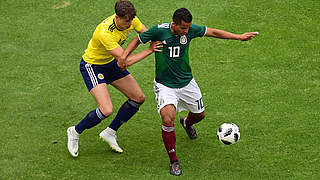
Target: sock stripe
[(134, 103), (99, 114), (167, 129)]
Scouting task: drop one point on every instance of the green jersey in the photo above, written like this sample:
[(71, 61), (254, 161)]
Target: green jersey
[(172, 64)]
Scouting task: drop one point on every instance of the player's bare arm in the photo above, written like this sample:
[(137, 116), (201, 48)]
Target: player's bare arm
[(117, 52), (134, 58), (217, 33), (154, 47), (133, 44), (121, 59)]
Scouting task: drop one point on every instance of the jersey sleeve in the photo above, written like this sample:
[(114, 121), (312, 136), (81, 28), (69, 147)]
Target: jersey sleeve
[(108, 41), (148, 35), (137, 25), (198, 31)]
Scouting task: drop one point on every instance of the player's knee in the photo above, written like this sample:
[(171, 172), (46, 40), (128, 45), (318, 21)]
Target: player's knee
[(167, 122), (140, 98), (106, 111), (143, 98)]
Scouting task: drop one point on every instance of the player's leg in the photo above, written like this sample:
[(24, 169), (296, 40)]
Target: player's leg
[(167, 114), (166, 103), (94, 117), (192, 119), (125, 83), (99, 91), (130, 88), (101, 94), (187, 123), (191, 98)]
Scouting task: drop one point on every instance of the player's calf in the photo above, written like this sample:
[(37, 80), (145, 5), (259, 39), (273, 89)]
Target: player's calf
[(126, 111), (191, 131), (194, 118)]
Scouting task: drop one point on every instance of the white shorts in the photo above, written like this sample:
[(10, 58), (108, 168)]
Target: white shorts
[(186, 98)]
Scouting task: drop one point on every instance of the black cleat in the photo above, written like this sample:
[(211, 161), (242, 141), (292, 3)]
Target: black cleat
[(175, 169), (190, 131)]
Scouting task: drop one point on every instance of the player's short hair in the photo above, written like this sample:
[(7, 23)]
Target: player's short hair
[(182, 14), (125, 9)]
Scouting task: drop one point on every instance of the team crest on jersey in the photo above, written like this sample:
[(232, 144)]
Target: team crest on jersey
[(100, 76), (183, 39)]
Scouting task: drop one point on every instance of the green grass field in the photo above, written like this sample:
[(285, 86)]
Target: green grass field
[(269, 87)]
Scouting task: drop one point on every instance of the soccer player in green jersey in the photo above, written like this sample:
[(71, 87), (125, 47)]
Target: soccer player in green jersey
[(99, 68), (174, 85)]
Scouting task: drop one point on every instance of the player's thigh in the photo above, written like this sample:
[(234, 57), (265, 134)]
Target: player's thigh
[(101, 94), (168, 114), (130, 88), (96, 83), (191, 99), (164, 96)]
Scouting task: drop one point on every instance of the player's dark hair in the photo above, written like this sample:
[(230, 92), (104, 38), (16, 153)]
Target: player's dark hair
[(182, 14), (125, 9)]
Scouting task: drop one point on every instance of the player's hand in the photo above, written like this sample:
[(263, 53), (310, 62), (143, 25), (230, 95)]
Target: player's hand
[(122, 64), (247, 36), (155, 46)]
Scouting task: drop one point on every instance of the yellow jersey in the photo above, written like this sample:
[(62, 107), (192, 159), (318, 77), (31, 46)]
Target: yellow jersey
[(107, 37)]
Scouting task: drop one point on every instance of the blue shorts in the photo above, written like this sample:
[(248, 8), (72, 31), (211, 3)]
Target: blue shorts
[(97, 74)]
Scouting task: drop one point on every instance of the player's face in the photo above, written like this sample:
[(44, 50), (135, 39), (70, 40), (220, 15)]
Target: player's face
[(181, 29), (123, 23)]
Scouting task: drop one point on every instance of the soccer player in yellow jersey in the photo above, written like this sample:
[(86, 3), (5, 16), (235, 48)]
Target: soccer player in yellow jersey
[(99, 67)]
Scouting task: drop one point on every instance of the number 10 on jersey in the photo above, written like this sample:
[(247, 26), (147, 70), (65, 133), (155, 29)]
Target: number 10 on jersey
[(174, 51)]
